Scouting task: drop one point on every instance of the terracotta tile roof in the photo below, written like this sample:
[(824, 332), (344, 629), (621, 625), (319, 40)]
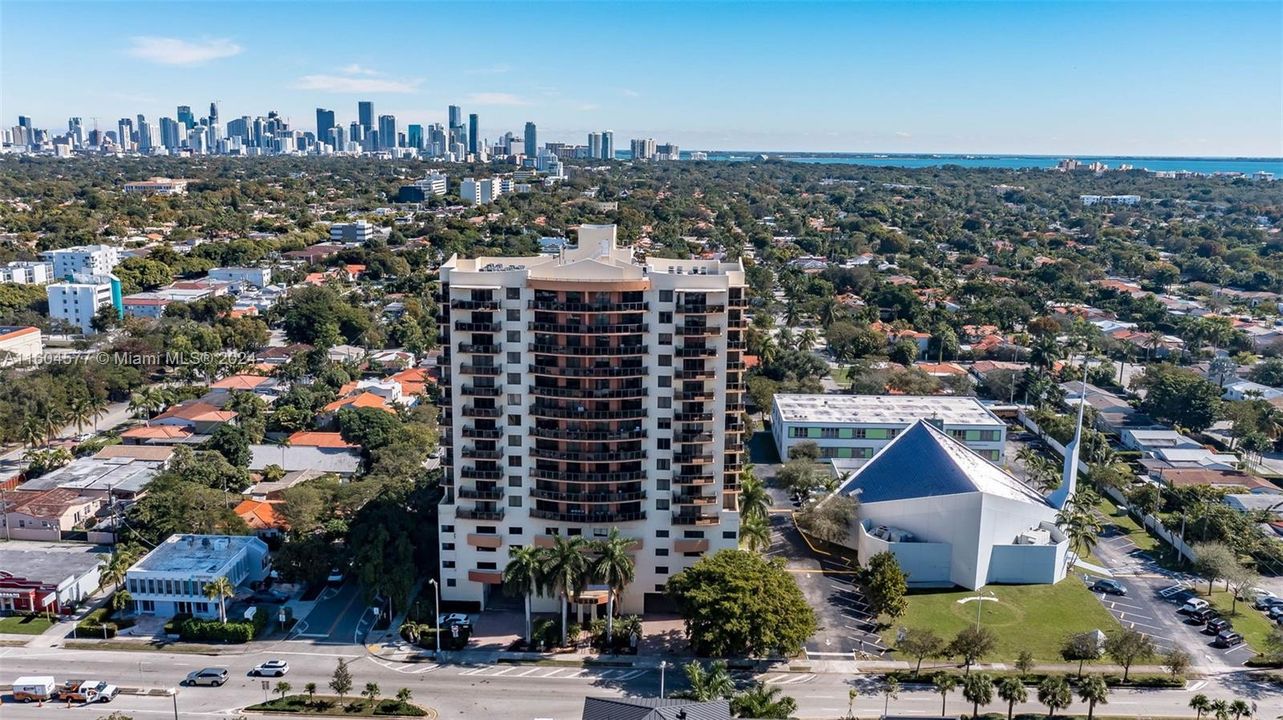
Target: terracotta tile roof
[(18, 332), (240, 382), (197, 411), (363, 400), (259, 514), (148, 432), (44, 503), (413, 381), (1185, 477), (307, 438)]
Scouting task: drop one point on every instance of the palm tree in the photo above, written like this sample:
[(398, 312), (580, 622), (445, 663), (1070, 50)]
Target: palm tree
[(138, 405), (403, 696), (1093, 691), (763, 701), (371, 692), (944, 684), (755, 534), (218, 590), (310, 689), (283, 688), (1082, 527), (713, 683), (80, 411), (614, 568), (1012, 690), (98, 405), (1220, 709), (1054, 692), (33, 432), (523, 575), (122, 600), (1239, 708), (566, 569), (807, 340), (1200, 704), (977, 689), (755, 501)]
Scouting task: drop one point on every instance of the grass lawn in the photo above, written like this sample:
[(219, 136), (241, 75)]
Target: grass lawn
[(24, 625), (331, 706), (1128, 526), (1025, 617), (1249, 622)]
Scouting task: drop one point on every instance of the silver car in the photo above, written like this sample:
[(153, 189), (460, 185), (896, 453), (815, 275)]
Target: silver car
[(213, 677)]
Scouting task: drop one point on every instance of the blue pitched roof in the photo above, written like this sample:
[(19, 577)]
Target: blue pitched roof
[(923, 461)]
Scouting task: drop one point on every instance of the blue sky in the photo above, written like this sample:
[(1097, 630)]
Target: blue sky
[(1164, 78)]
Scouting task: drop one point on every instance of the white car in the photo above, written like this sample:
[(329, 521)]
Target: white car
[(1193, 605), (271, 668), (452, 619)]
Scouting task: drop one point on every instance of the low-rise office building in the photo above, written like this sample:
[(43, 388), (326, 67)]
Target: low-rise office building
[(171, 578), (42, 577), (353, 232), (857, 426)]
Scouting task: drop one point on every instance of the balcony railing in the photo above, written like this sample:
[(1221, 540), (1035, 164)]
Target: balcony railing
[(473, 411), (488, 327), (482, 433), (687, 352), (606, 372), (690, 519), (698, 330), (467, 369), (476, 474), (587, 456), (473, 304), (693, 437), (697, 395), (479, 349), (478, 454), (575, 414), (556, 306), (693, 417), (699, 308), (471, 514), (690, 458), (588, 393), (589, 328), (693, 499), (478, 494), (603, 477), (606, 517), (694, 374), (588, 435), (705, 479), (483, 390), (582, 497), (585, 350)]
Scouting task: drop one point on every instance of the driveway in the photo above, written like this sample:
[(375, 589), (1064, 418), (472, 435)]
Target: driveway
[(341, 617)]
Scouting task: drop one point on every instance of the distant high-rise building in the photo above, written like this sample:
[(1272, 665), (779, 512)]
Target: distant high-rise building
[(324, 122), (415, 138), (356, 132), (608, 145), (668, 151), (594, 145), (169, 134), (365, 115), (455, 116), (337, 138), (473, 132), (186, 117), (387, 131), (76, 130), (532, 140), (145, 140), (124, 133), (213, 113), (643, 149)]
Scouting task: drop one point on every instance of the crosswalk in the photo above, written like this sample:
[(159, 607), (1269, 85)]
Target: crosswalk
[(563, 673)]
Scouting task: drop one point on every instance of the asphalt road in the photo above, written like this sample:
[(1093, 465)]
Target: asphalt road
[(509, 691), (341, 617)]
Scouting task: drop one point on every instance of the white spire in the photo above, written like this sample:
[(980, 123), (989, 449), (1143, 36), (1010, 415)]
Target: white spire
[(1069, 476)]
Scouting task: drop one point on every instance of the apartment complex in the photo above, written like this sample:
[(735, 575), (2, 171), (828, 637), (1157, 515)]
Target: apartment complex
[(78, 300), (83, 260), (354, 232), (857, 426), (20, 272), (586, 390)]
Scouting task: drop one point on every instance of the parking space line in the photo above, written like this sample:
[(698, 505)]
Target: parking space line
[(505, 671), (531, 670)]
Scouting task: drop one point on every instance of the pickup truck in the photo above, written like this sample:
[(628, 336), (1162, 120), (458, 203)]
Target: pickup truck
[(87, 691)]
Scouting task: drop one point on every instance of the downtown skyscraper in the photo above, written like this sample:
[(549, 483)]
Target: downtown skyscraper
[(324, 124)]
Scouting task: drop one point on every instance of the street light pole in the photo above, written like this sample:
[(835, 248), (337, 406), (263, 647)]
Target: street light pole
[(436, 609), (663, 665), (173, 693)]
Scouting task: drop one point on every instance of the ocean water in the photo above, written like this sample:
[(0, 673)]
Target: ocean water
[(1018, 162)]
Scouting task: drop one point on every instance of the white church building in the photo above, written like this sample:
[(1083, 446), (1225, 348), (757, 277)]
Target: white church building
[(952, 518)]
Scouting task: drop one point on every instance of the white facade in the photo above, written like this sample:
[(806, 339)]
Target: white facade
[(26, 272), (951, 517), (18, 344), (84, 260), (479, 192), (588, 392), (157, 186), (258, 277), (353, 232), (433, 184), (78, 302), (170, 579), (857, 426)]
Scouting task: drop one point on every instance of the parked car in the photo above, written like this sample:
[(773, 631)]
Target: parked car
[(1275, 611), (271, 668), (1266, 602), (335, 577), (452, 619), (270, 597), (1199, 617), (1109, 587), (33, 688), (1228, 639), (1216, 625), (213, 677), (1192, 605)]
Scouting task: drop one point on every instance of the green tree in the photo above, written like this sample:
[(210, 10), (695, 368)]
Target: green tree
[(736, 603), (886, 586), (310, 689), (1214, 560), (1179, 396), (1055, 693), (371, 693), (978, 690), (404, 696), (566, 572), (944, 683), (283, 688), (1024, 662), (755, 534), (1127, 647), (523, 575), (218, 590), (122, 600), (972, 644), (1177, 662), (754, 500), (920, 644), (707, 683), (1200, 704), (828, 519), (232, 443), (1080, 647), (613, 567), (341, 680), (1093, 691), (762, 701), (1011, 690)]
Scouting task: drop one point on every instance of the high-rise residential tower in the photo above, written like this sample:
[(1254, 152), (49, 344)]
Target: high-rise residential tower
[(387, 131), (532, 141), (365, 115), (585, 391), (324, 122), (473, 131), (186, 117), (594, 145), (608, 145)]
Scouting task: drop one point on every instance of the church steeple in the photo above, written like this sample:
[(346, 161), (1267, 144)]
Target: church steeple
[(1069, 475)]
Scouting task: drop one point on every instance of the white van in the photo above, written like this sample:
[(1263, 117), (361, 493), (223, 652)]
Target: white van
[(35, 688)]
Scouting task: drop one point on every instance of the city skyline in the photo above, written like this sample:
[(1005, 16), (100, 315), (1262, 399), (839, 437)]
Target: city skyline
[(1130, 79)]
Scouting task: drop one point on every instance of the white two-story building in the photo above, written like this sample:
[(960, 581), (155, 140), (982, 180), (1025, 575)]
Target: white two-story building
[(171, 578)]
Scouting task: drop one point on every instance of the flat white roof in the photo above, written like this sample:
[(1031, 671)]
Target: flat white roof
[(884, 409), (194, 553)]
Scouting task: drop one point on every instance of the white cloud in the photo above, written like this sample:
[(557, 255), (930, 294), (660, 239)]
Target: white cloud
[(903, 134), (494, 98), (176, 51), (354, 84), (496, 69), (355, 69), (629, 93)]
